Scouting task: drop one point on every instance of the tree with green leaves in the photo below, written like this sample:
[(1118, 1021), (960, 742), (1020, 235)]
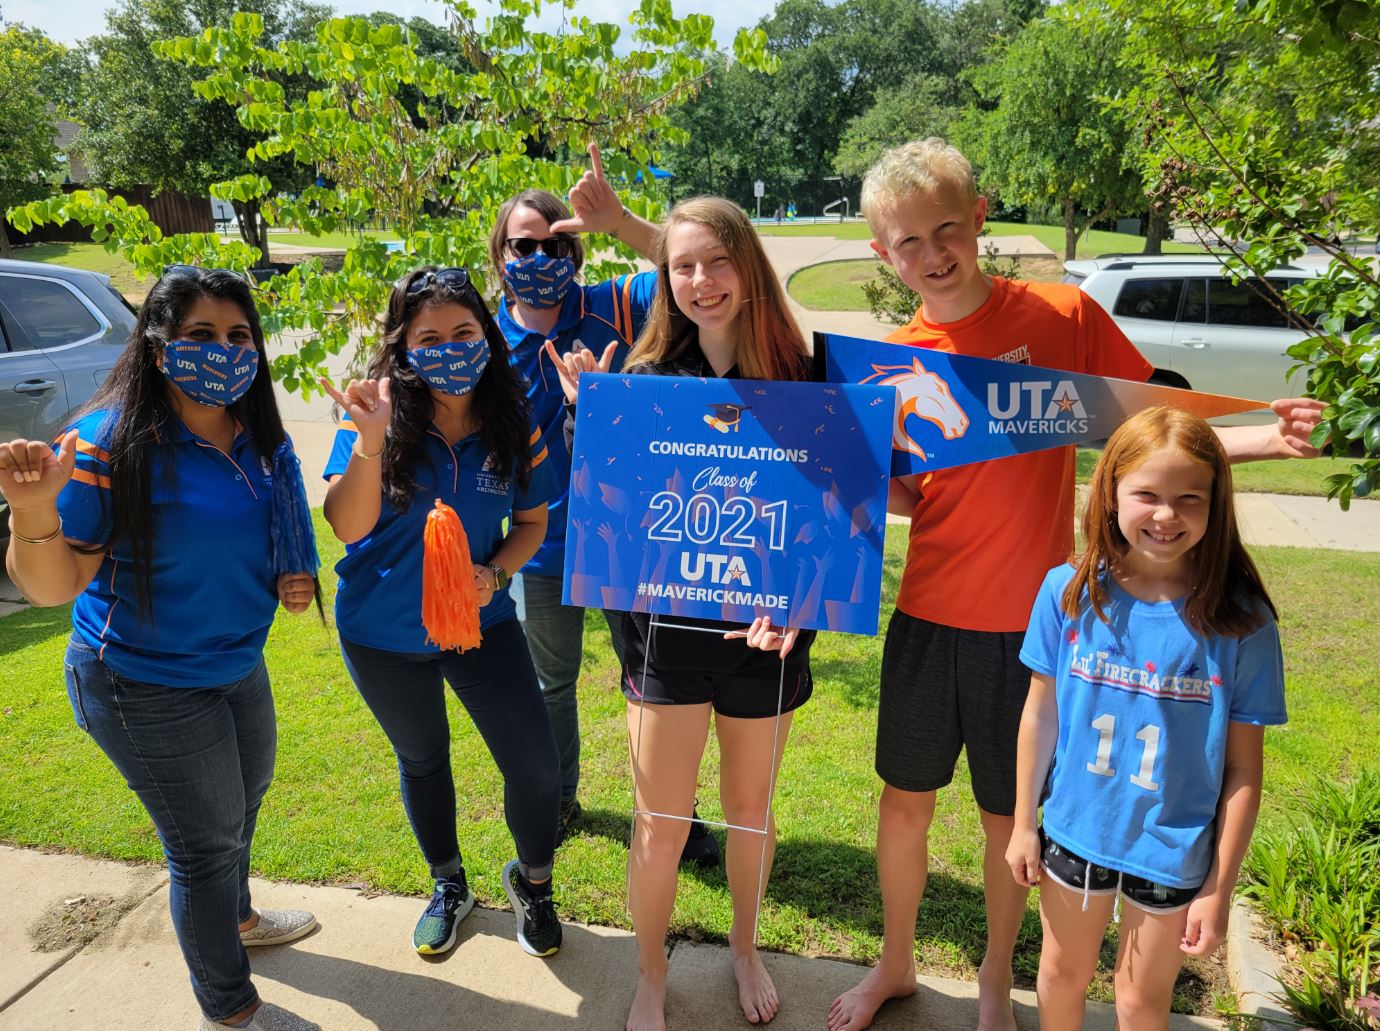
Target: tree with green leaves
[(28, 118), (522, 103), (1048, 138), (920, 107), (1260, 121), (145, 125)]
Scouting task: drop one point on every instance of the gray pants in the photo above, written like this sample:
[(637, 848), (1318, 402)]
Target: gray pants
[(555, 637)]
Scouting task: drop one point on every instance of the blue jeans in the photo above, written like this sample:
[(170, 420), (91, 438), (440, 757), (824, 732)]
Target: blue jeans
[(498, 688), (555, 636), (200, 760)]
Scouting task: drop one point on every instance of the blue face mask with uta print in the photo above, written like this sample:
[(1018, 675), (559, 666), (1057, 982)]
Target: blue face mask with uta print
[(539, 280), (211, 373), (452, 368)]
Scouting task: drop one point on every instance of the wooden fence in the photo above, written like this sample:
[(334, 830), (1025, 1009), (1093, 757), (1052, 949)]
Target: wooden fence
[(173, 212)]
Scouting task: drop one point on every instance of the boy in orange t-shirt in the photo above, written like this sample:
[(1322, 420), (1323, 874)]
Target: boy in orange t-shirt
[(982, 538)]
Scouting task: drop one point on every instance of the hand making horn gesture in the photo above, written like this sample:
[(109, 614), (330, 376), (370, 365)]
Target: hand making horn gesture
[(31, 475), (576, 361), (369, 404), (597, 208)]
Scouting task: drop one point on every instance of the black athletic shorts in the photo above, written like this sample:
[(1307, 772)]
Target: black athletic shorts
[(1074, 872), (691, 667), (943, 690)]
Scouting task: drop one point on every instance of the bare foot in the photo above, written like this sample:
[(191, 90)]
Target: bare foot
[(855, 1008), (648, 1010), (756, 993), (994, 998)]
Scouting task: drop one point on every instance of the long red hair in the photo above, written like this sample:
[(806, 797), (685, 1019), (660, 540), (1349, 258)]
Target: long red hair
[(1228, 593)]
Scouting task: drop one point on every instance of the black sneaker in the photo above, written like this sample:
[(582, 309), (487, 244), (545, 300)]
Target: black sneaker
[(538, 929), (450, 903), (570, 812), (701, 846)]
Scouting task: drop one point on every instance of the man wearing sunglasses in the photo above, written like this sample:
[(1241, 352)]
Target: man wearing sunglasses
[(536, 248)]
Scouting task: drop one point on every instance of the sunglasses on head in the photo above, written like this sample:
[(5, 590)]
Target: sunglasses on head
[(449, 278), (552, 246), (195, 271)]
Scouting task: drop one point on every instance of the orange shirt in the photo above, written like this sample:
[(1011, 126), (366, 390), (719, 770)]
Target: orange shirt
[(983, 536)]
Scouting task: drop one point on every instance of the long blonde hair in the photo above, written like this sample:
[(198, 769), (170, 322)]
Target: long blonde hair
[(770, 345), (1228, 593)]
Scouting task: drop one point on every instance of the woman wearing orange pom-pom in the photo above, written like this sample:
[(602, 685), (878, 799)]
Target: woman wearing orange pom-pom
[(433, 456)]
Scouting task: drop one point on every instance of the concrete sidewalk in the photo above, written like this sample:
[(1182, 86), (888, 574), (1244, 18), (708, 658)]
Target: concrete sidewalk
[(358, 970)]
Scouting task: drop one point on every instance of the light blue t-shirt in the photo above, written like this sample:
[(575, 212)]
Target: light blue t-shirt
[(379, 600), (594, 316), (1144, 703)]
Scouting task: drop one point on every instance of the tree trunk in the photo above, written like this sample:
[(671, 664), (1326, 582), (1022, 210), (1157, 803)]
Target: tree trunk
[(253, 230), (1071, 233), (1156, 231), (5, 251)]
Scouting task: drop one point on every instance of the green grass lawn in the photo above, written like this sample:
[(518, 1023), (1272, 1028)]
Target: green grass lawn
[(837, 285), (335, 241), (1090, 244), (334, 813), (91, 256), (1260, 477)]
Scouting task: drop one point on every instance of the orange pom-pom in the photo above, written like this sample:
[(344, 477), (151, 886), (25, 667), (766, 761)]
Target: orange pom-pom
[(450, 600)]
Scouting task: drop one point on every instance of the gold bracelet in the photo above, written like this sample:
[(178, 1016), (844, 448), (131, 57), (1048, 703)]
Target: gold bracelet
[(36, 540), (354, 449)]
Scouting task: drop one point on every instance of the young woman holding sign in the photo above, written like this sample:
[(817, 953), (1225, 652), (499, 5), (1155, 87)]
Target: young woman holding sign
[(719, 311), (173, 513), (441, 420)]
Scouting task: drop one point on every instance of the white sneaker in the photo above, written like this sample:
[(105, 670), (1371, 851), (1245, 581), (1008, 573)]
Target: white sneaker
[(277, 926), (267, 1017)]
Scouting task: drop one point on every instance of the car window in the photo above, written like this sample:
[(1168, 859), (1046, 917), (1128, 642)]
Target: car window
[(1149, 299), (44, 313), (1195, 302), (1244, 304)]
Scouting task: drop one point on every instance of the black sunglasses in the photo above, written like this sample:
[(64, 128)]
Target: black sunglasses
[(196, 271), (449, 278), (552, 246)]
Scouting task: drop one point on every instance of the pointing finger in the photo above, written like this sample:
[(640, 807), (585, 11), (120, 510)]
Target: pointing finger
[(606, 359), (335, 395), (596, 160), (386, 390), (67, 453)]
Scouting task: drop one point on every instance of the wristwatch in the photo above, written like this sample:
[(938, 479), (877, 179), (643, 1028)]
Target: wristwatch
[(501, 578)]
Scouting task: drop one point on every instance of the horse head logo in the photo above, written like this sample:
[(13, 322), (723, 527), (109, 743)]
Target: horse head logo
[(923, 394)]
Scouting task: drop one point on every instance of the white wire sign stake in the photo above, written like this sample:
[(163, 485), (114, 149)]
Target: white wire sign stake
[(765, 829)]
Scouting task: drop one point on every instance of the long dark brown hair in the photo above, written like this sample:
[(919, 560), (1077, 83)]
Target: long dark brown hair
[(769, 342), (500, 401), (1228, 593), (136, 395)]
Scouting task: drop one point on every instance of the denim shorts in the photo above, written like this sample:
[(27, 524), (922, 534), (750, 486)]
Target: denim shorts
[(1088, 879)]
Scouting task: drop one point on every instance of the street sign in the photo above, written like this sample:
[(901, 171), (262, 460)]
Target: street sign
[(759, 189)]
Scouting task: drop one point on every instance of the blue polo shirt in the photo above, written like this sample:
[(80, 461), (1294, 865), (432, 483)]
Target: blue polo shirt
[(595, 316), (214, 590), (379, 600)]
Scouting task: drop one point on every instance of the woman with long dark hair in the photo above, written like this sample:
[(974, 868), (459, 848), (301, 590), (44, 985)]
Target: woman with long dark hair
[(442, 420), (172, 512)]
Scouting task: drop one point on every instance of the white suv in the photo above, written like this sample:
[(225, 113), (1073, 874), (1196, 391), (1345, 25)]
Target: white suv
[(1197, 328)]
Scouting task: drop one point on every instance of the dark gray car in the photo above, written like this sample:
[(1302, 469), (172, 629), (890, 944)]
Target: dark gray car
[(61, 330)]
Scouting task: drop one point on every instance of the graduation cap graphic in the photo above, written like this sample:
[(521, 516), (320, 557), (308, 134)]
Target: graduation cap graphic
[(725, 417)]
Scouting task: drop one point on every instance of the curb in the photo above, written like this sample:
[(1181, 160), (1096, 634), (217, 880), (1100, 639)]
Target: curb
[(1253, 971)]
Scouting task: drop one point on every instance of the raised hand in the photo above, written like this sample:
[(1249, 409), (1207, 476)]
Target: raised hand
[(572, 363), (597, 208), (31, 476), (1296, 418), (369, 403)]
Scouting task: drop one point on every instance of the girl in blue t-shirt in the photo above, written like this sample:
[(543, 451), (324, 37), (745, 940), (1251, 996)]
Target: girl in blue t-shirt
[(1156, 667), (162, 515), (442, 416)]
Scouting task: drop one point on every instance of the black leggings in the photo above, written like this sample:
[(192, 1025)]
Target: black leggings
[(498, 688)]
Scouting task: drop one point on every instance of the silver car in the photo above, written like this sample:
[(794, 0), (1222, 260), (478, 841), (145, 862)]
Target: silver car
[(61, 330), (1195, 326)]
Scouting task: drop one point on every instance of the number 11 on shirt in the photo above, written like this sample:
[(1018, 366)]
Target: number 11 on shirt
[(1149, 735)]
